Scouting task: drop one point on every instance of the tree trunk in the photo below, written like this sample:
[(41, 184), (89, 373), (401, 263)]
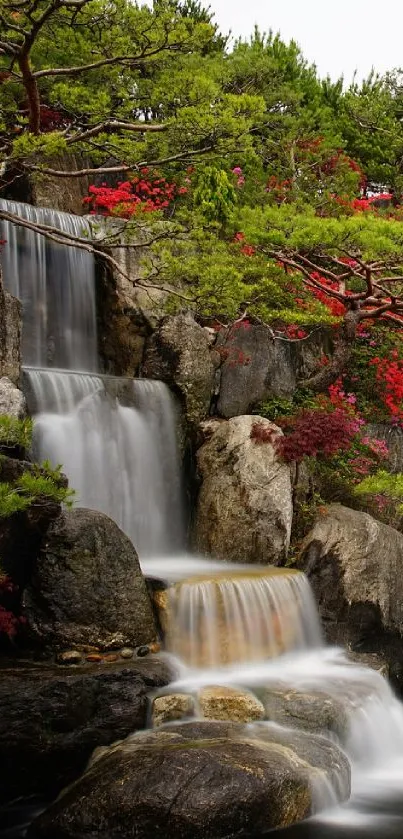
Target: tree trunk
[(328, 374)]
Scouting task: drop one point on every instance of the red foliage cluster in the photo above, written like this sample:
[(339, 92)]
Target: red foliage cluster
[(52, 120), (9, 621), (363, 204), (143, 194), (278, 189), (316, 431), (389, 375), (335, 307)]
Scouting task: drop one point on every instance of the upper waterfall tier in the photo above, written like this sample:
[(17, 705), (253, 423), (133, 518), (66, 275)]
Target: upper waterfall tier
[(56, 285), (116, 440)]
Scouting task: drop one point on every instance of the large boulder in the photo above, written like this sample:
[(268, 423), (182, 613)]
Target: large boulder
[(244, 509), (257, 366), (197, 781), (12, 401), (87, 587), (51, 719), (178, 353), (355, 565)]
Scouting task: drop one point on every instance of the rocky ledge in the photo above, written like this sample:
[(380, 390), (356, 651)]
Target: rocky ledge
[(52, 718)]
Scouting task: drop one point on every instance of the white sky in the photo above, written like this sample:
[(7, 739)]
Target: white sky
[(339, 36)]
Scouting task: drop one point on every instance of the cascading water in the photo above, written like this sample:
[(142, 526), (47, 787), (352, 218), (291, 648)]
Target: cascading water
[(230, 625), (241, 615), (115, 438), (56, 285)]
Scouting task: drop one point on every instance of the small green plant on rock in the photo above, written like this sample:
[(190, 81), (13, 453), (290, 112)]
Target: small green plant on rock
[(34, 488), (15, 432)]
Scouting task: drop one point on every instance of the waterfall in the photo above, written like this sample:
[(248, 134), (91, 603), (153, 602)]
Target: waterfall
[(240, 615), (116, 441), (56, 285), (115, 438)]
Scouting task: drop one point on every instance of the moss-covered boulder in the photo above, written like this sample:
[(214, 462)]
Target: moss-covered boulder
[(87, 588), (197, 781)]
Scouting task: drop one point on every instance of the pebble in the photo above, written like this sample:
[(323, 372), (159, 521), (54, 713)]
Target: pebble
[(142, 651), (127, 652), (94, 657), (111, 657), (69, 657), (155, 647)]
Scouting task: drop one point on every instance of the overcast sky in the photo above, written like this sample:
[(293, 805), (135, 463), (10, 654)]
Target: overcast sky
[(340, 36)]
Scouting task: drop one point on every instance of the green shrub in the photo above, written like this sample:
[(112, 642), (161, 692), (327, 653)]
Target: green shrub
[(35, 488), (15, 432)]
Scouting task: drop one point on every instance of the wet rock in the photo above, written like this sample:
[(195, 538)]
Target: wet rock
[(311, 710), (53, 717), (95, 658), (355, 565), (143, 651), (172, 707), (10, 335), (244, 509), (87, 587), (127, 652), (178, 354), (196, 781), (225, 703), (70, 657)]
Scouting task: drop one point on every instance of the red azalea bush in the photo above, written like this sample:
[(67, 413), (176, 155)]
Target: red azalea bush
[(144, 193), (389, 376)]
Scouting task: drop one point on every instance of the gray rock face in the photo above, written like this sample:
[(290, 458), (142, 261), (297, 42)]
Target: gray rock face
[(244, 509), (87, 587), (12, 401), (355, 565), (10, 335), (313, 711), (196, 781), (52, 717), (178, 354), (257, 366)]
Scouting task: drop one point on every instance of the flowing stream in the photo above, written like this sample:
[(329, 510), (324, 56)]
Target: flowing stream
[(228, 625)]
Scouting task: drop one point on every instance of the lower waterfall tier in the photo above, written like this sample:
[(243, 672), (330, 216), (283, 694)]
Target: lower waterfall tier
[(116, 441)]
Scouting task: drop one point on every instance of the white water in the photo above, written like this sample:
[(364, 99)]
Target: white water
[(116, 440), (56, 285)]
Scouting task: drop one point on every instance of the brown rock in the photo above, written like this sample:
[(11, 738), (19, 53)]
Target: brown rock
[(172, 707), (197, 781), (224, 703), (244, 509)]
